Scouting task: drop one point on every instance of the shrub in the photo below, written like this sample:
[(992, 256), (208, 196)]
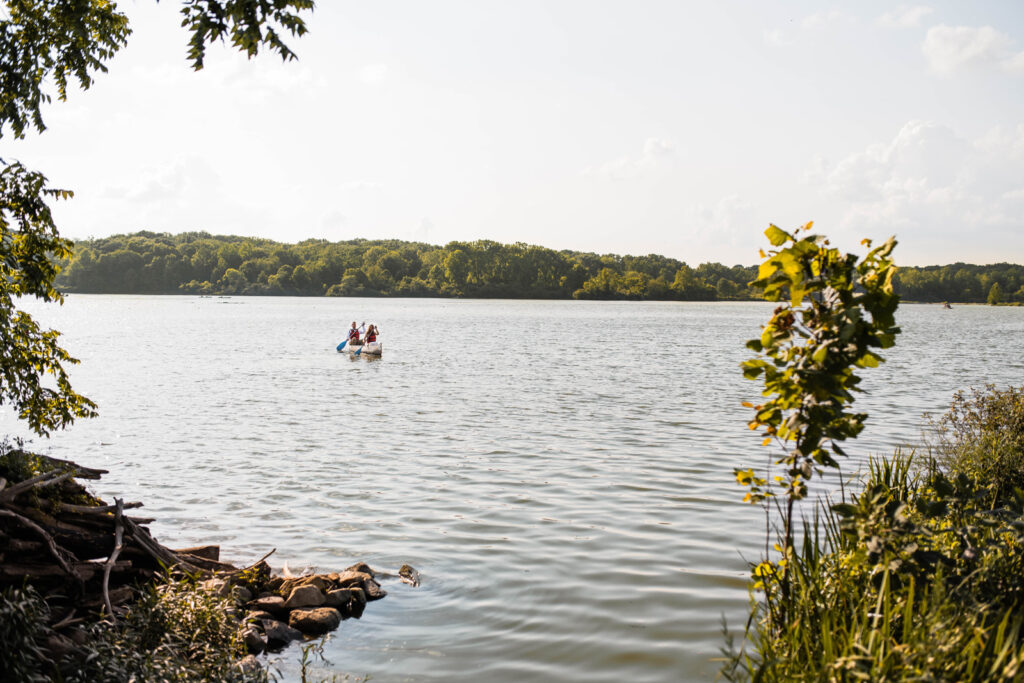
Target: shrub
[(982, 436)]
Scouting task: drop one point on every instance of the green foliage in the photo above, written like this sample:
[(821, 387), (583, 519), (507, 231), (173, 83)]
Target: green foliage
[(23, 617), (918, 577), (200, 263), (982, 436), (32, 375), (248, 24), (995, 295), (175, 632), (838, 311), (51, 42)]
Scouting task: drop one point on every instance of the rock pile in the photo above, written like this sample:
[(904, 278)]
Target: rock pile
[(286, 609)]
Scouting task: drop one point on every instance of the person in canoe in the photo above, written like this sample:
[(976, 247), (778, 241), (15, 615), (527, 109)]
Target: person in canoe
[(353, 334), (371, 334)]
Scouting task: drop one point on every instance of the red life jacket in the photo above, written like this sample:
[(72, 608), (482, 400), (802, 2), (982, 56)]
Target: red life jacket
[(353, 334), (371, 337)]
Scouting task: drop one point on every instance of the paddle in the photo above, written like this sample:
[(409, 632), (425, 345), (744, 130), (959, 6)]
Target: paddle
[(341, 346)]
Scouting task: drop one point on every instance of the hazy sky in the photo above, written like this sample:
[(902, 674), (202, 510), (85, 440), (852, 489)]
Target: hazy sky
[(673, 127)]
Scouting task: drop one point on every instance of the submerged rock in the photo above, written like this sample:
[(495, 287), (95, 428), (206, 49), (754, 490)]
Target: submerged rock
[(409, 575)]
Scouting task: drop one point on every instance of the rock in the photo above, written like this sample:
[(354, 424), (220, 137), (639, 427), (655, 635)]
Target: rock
[(254, 642), (373, 590), (273, 583), (359, 595), (349, 578), (305, 596), (258, 615), (279, 633), (288, 585), (409, 575), (340, 597), (274, 604), (361, 567), (243, 594), (316, 621), (249, 665)]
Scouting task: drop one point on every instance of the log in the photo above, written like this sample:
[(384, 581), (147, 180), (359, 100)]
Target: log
[(94, 509), (203, 563), (209, 552)]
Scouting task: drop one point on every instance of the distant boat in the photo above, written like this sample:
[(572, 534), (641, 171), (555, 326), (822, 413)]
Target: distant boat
[(946, 305)]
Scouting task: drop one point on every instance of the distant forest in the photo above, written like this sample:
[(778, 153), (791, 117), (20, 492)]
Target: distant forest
[(200, 263)]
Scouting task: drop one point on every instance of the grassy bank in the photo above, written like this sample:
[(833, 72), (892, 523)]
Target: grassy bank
[(918, 576)]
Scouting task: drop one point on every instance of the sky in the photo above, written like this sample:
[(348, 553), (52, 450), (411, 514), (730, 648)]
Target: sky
[(670, 127)]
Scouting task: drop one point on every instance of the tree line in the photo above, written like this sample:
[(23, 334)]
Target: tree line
[(201, 263)]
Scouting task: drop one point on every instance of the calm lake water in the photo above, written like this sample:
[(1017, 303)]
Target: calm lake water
[(559, 472)]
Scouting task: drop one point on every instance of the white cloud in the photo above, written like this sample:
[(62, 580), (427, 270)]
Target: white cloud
[(929, 182), (904, 16), (952, 48), (657, 152), (373, 73)]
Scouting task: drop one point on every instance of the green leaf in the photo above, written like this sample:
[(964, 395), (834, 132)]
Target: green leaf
[(776, 235)]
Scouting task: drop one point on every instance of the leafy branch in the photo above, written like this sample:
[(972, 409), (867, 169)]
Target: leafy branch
[(836, 311)]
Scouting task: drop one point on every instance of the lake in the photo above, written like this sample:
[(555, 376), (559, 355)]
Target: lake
[(559, 472)]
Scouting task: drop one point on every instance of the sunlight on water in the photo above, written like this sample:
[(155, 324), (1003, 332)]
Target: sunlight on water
[(559, 472)]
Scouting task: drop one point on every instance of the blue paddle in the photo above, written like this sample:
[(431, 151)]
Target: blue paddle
[(341, 346)]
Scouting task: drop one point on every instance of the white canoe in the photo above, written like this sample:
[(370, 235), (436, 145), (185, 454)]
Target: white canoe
[(371, 349)]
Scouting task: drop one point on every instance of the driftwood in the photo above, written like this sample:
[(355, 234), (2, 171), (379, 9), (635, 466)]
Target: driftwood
[(118, 538)]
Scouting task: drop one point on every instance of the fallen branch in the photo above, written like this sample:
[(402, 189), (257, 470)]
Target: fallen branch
[(38, 480), (118, 538), (94, 509), (155, 550)]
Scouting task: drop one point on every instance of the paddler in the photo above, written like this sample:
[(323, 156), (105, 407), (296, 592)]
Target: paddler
[(353, 334)]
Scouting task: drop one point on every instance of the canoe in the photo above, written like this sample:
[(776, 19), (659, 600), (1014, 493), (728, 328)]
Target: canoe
[(371, 349)]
